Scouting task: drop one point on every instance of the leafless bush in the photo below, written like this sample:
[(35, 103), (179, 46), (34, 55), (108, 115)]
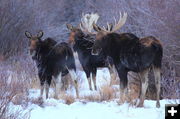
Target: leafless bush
[(14, 20), (11, 91), (170, 88), (17, 16), (14, 85)]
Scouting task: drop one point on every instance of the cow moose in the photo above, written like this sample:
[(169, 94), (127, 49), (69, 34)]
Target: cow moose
[(130, 53), (81, 39), (53, 61)]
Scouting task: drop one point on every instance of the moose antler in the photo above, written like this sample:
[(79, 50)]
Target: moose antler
[(120, 23), (87, 21), (117, 25)]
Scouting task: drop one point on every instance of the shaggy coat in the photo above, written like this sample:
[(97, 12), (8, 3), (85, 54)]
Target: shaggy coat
[(52, 60), (129, 53)]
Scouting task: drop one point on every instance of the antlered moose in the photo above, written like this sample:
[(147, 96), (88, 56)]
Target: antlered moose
[(130, 53)]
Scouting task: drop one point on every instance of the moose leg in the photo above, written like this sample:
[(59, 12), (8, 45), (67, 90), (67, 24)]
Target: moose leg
[(157, 75), (57, 84), (47, 90), (144, 85), (123, 82), (94, 79), (89, 81), (74, 77), (88, 78), (123, 86), (42, 89), (48, 82), (42, 81)]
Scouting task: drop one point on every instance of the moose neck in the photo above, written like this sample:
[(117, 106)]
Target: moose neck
[(110, 43)]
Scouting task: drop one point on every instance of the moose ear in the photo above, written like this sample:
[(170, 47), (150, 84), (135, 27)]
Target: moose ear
[(69, 26), (96, 28), (40, 34), (28, 35)]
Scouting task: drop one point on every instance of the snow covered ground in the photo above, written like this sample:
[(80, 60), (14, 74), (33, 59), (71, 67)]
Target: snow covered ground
[(81, 109), (57, 109)]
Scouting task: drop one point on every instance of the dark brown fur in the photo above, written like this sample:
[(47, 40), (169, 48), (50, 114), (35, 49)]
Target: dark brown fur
[(129, 53), (53, 60)]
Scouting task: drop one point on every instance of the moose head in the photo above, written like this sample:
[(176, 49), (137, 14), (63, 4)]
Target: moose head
[(84, 28), (74, 32), (34, 42), (101, 32)]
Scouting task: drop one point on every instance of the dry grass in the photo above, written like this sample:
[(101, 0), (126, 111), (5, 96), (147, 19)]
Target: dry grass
[(92, 98), (133, 93), (69, 99), (114, 81), (134, 90), (35, 83), (107, 93)]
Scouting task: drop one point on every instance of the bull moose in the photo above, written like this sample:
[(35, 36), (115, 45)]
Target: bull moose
[(130, 53)]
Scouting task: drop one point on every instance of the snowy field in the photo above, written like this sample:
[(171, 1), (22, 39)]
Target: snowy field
[(83, 109), (56, 109)]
